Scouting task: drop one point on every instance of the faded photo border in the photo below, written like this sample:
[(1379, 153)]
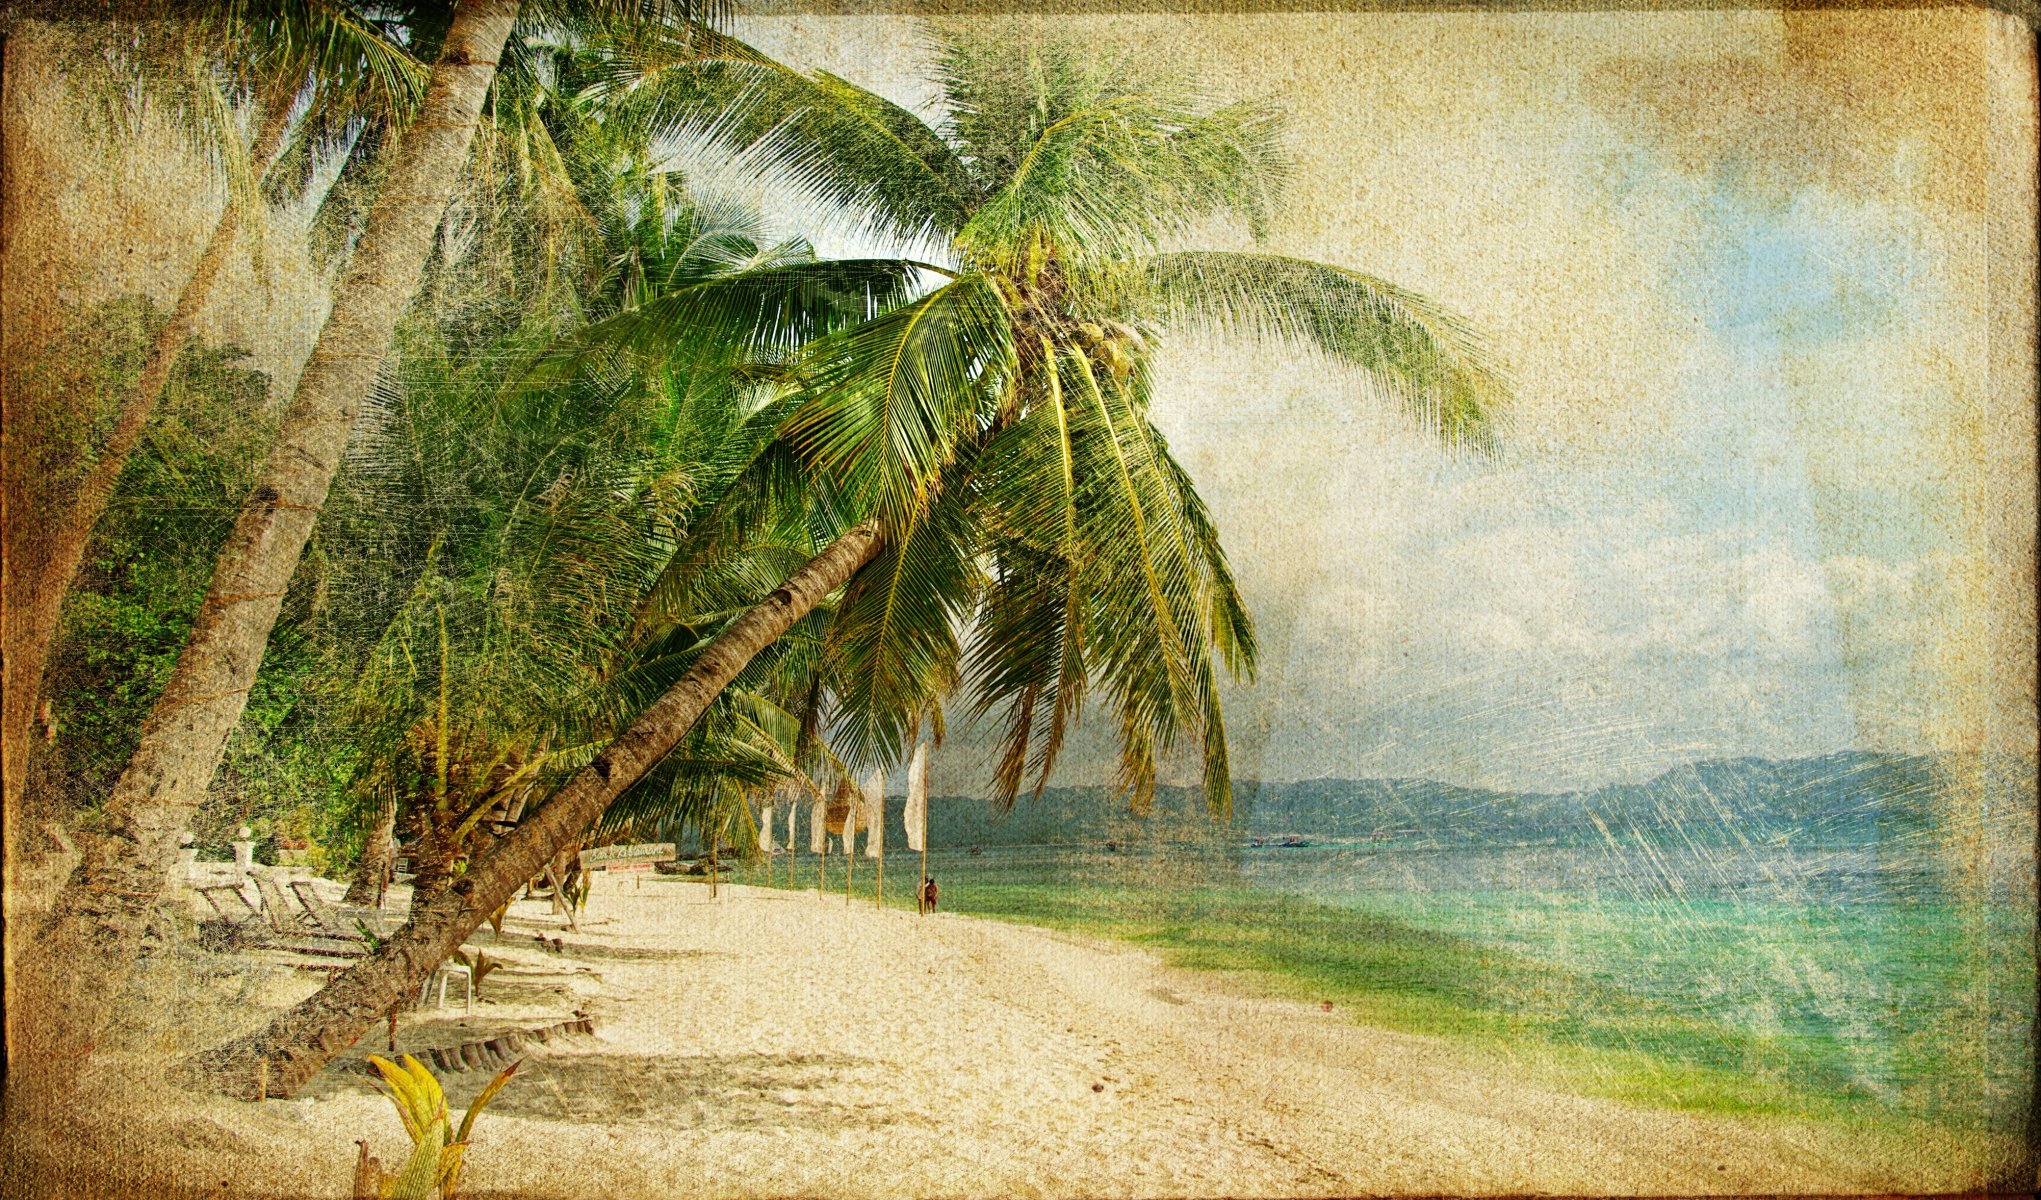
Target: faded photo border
[(1988, 449)]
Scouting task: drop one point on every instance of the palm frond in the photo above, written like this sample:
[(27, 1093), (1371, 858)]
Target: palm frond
[(760, 313), (1120, 178), (840, 146), (1425, 358), (888, 400), (893, 643), (1092, 152)]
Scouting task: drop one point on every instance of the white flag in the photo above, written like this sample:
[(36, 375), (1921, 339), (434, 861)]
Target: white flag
[(793, 811), (765, 845), (875, 815), (917, 798), (850, 826), (818, 837)]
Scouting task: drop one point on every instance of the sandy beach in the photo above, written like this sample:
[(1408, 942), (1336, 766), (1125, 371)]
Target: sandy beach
[(764, 1043)]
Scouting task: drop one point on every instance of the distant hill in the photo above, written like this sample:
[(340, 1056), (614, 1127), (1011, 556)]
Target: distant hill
[(1849, 798)]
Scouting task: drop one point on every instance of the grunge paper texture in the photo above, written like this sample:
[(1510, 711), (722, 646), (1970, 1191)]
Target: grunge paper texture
[(1758, 538)]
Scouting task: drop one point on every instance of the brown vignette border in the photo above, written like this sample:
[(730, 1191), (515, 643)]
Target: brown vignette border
[(2028, 1172)]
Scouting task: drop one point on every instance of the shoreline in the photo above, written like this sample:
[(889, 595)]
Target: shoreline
[(777, 1043), (1475, 969)]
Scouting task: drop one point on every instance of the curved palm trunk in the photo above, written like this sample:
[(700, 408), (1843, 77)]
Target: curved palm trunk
[(295, 1045), (373, 872), (85, 950), (36, 590), (433, 853)]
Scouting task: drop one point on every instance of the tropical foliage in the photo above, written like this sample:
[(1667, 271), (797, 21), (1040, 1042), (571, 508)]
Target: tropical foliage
[(652, 509), (998, 423), (499, 535)]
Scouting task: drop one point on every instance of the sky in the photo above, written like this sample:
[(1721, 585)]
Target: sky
[(1762, 281), (1756, 497)]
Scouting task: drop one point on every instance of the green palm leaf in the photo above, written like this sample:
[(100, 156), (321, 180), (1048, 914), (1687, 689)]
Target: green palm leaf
[(838, 145), (758, 313), (888, 400), (893, 642), (1119, 178), (1422, 356), (1028, 658)]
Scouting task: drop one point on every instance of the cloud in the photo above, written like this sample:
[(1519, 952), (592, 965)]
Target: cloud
[(1733, 262), (1876, 105)]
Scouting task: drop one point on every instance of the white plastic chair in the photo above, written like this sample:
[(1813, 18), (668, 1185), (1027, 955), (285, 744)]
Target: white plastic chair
[(444, 974)]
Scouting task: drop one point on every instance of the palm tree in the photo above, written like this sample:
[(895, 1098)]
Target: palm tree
[(545, 507), (98, 917), (84, 951), (199, 70), (529, 522), (980, 451)]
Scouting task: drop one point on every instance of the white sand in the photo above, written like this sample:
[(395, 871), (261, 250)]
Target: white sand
[(780, 1044)]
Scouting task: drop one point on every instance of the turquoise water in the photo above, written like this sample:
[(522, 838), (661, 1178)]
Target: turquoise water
[(1882, 976)]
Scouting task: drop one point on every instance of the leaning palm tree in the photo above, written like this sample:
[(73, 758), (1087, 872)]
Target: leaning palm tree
[(325, 56), (526, 524), (85, 949), (88, 944), (529, 515), (982, 451)]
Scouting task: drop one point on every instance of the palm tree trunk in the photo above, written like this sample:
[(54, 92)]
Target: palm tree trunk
[(85, 950), (432, 859), (373, 872), (45, 560), (295, 1045)]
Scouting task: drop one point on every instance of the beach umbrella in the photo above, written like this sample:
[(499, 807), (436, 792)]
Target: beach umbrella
[(873, 815), (792, 841), (917, 799), (843, 813), (875, 823)]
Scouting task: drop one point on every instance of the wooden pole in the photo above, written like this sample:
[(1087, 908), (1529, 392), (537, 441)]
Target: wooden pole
[(850, 855), (560, 900)]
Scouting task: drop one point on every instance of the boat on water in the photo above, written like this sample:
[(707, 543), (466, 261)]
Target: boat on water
[(1293, 843)]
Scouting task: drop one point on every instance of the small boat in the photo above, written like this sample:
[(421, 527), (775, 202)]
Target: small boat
[(1293, 843), (1255, 842)]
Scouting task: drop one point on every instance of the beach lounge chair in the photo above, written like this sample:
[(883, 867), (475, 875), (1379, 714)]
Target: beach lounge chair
[(284, 917), (233, 914), (293, 929), (231, 935), (336, 922), (258, 938)]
